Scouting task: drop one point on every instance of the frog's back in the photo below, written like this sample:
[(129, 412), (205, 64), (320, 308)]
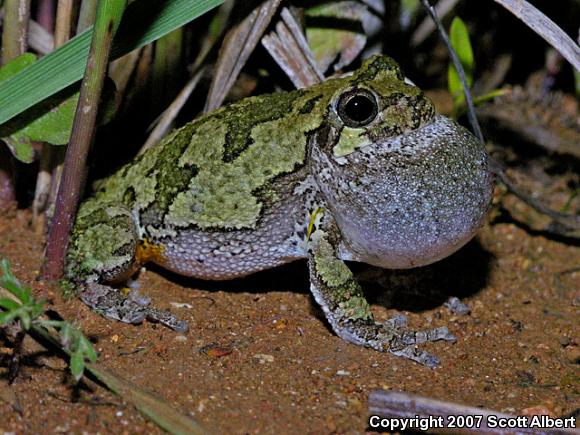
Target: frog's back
[(212, 172), (224, 195)]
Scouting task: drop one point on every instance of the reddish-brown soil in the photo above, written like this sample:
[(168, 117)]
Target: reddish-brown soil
[(288, 373)]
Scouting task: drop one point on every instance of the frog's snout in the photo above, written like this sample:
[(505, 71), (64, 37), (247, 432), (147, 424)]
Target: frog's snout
[(419, 197)]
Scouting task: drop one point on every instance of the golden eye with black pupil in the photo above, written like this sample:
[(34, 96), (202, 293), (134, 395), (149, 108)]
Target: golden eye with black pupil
[(357, 108)]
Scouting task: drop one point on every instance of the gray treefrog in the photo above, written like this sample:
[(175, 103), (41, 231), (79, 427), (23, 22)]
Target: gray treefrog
[(358, 168)]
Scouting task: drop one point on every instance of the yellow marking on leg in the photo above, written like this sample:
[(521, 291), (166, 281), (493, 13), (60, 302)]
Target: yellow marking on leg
[(313, 220), (147, 251)]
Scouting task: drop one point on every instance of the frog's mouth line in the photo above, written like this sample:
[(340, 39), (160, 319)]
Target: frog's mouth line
[(422, 137), (415, 140)]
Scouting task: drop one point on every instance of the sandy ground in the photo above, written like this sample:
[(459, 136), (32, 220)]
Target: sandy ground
[(278, 367)]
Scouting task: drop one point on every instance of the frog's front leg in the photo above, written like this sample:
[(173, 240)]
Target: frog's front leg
[(339, 294), (104, 250)]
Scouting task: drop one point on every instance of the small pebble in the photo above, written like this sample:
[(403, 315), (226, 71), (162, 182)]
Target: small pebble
[(457, 307)]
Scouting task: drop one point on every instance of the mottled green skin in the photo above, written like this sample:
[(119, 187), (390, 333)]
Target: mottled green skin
[(339, 280), (216, 163), (233, 191), (213, 172)]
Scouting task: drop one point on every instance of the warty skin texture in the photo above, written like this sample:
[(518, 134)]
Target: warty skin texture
[(236, 191)]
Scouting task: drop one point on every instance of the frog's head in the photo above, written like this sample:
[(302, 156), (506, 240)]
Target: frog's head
[(406, 186)]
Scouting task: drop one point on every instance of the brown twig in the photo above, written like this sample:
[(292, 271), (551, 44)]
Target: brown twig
[(63, 27), (389, 404), (81, 138), (15, 29), (208, 46), (289, 48), (460, 71), (443, 7), (87, 14), (546, 28), (238, 44), (50, 169), (171, 112), (14, 43), (567, 220), (7, 171), (45, 14)]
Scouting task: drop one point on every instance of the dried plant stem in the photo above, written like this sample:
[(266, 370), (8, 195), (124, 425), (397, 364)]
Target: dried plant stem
[(443, 7), (567, 220), (544, 27), (63, 27), (171, 112), (86, 15), (50, 170), (45, 14), (238, 44), (7, 192), (289, 48), (121, 70), (109, 15), (166, 69), (460, 71), (15, 29), (390, 404), (14, 43)]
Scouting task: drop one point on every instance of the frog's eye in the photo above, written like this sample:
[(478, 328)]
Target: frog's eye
[(357, 108)]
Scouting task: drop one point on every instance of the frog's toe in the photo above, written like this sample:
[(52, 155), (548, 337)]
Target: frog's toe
[(409, 338), (167, 319), (415, 354), (403, 342), (134, 308), (396, 322), (112, 304), (138, 298)]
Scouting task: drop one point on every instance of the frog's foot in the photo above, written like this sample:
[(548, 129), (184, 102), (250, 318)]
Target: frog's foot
[(394, 337), (339, 294), (131, 309)]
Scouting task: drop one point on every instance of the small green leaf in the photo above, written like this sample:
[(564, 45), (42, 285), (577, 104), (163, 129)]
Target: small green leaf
[(51, 323), (37, 309), (66, 334), (335, 32), (7, 317), (460, 41), (9, 304), (25, 319), (77, 364), (51, 122), (10, 283), (489, 96), (16, 65), (408, 11), (22, 151), (87, 348)]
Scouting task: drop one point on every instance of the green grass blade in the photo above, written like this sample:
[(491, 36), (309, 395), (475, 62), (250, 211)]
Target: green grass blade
[(145, 21)]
